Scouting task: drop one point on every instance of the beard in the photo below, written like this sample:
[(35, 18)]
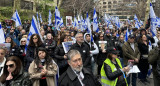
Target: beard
[(78, 69)]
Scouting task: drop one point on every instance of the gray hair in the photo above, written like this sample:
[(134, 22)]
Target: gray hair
[(72, 53), (78, 34)]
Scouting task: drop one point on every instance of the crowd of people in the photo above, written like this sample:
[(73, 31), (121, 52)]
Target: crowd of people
[(104, 61)]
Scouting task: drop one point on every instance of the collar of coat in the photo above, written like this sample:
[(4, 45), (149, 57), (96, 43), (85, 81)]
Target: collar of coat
[(73, 76)]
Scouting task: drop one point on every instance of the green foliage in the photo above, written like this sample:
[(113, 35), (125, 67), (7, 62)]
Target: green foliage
[(5, 13)]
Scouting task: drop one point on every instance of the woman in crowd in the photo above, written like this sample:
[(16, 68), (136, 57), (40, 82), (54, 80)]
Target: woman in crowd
[(60, 56), (43, 69), (34, 43), (13, 74), (50, 44), (102, 51), (112, 73), (143, 65), (14, 49)]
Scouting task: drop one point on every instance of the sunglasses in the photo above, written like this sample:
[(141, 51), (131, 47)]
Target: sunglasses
[(10, 65), (35, 38), (23, 41)]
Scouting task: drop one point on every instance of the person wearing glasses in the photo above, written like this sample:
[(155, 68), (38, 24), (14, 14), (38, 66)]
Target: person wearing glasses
[(2, 59), (13, 74), (34, 43), (43, 69)]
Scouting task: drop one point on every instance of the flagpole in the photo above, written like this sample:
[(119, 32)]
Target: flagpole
[(147, 12)]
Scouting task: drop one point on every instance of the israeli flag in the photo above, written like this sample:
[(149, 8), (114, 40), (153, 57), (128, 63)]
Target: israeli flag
[(57, 19), (79, 22), (33, 30), (128, 21), (16, 19), (137, 24), (61, 22), (126, 35), (49, 18), (75, 23), (106, 19), (153, 21), (40, 18), (117, 22), (89, 27), (158, 22), (83, 22), (95, 22), (38, 23), (2, 38)]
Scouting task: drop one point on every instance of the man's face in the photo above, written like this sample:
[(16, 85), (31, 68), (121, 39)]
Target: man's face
[(79, 38), (131, 40), (88, 38), (2, 53), (121, 38), (76, 63)]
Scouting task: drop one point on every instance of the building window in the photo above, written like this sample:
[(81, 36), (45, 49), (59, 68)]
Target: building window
[(109, 6), (104, 2), (114, 2), (104, 6), (109, 2)]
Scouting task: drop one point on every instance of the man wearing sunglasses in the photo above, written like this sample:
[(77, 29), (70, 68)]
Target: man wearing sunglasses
[(2, 60)]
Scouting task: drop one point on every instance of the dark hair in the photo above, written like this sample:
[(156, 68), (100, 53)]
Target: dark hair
[(109, 55), (62, 38), (13, 44), (141, 41), (48, 59), (31, 43), (18, 69)]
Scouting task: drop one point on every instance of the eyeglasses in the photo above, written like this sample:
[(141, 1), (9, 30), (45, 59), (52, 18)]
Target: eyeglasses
[(10, 65), (101, 36), (11, 29), (80, 37), (35, 38), (23, 41)]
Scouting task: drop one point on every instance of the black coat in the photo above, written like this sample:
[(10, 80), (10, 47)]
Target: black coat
[(51, 44), (30, 55), (69, 78), (85, 53)]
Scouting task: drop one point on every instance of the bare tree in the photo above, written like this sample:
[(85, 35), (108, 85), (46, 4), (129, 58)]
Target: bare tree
[(78, 6)]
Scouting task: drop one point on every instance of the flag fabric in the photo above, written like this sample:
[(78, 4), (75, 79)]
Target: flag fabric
[(89, 27), (79, 22), (16, 19), (38, 23), (106, 19), (61, 22), (95, 22), (83, 23), (33, 30), (75, 23), (137, 24), (117, 22), (49, 18), (40, 17), (153, 21), (57, 19), (126, 35), (2, 38)]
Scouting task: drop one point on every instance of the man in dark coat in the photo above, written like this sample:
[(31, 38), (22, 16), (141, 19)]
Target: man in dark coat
[(76, 75), (83, 49)]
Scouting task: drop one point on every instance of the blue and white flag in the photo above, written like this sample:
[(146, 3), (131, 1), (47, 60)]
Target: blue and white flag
[(33, 30), (49, 18), (2, 38), (75, 23), (40, 17), (57, 19), (137, 24), (95, 22), (83, 23), (79, 22), (106, 19), (16, 19), (126, 35), (38, 23), (153, 21), (61, 23), (117, 22), (89, 27)]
